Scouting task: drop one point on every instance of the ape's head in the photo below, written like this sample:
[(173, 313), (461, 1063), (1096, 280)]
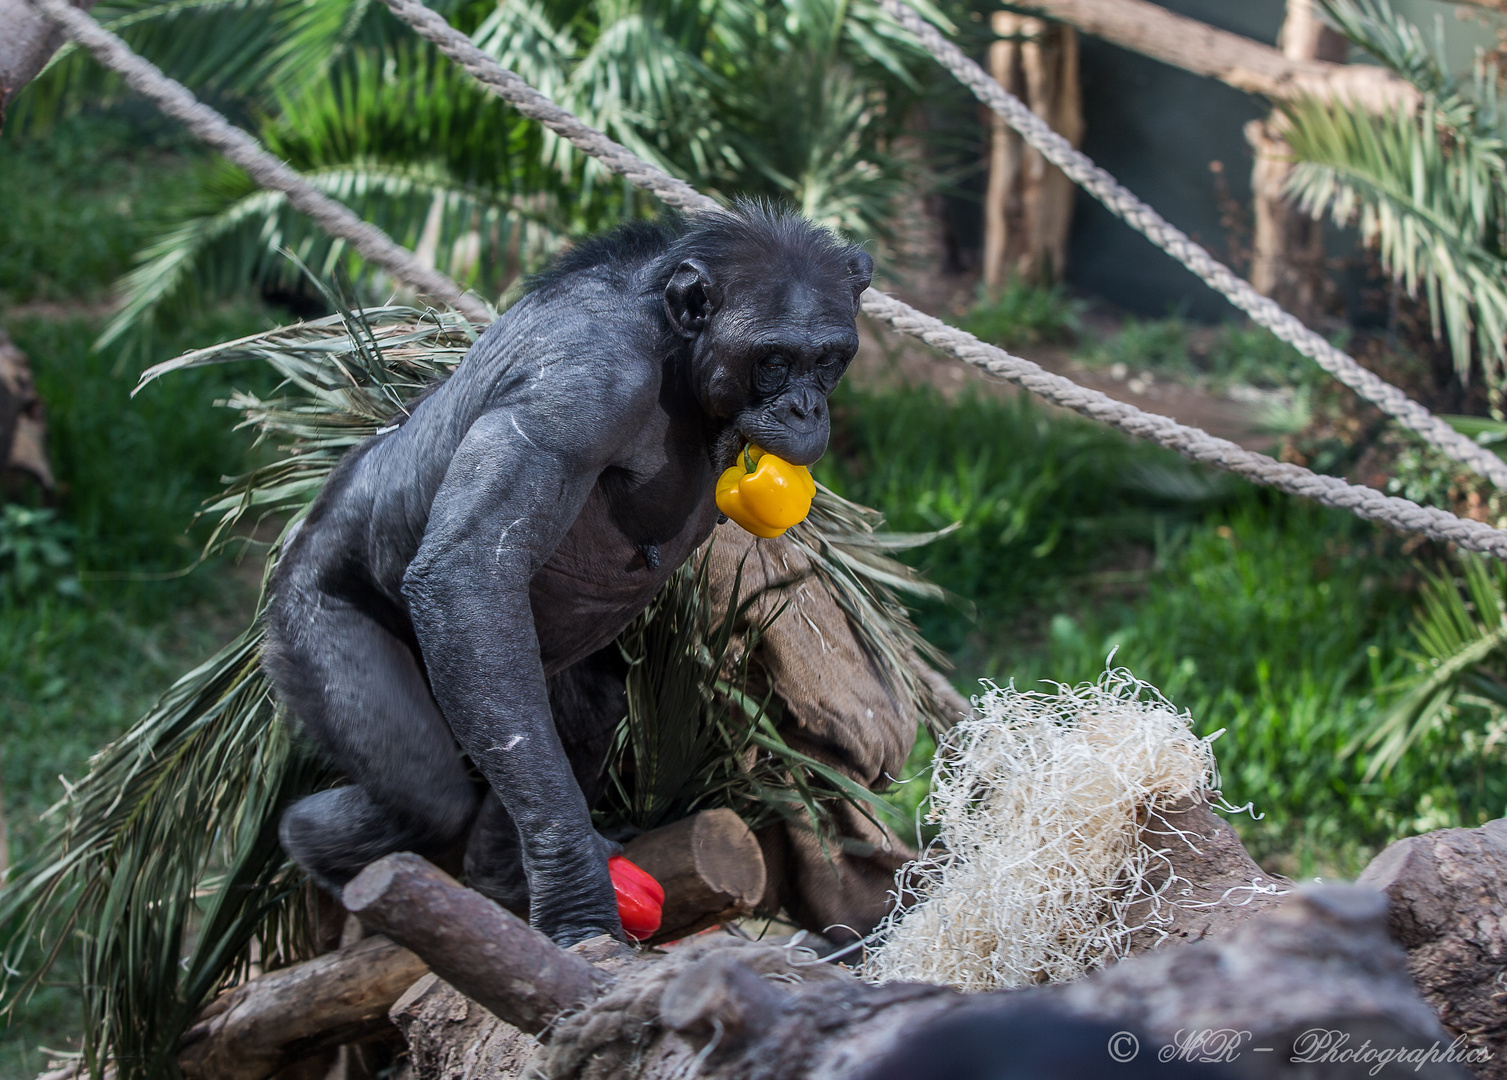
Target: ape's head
[(768, 303)]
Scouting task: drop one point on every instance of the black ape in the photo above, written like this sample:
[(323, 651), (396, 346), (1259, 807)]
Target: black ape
[(513, 525)]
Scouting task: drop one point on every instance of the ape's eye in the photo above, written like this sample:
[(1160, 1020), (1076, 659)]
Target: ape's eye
[(769, 374)]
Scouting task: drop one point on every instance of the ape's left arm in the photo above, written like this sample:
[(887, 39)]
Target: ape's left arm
[(510, 494)]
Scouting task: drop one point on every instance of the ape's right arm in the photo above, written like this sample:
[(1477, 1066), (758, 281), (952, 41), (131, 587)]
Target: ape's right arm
[(512, 491)]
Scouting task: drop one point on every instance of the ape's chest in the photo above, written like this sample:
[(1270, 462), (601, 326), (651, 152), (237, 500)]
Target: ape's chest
[(634, 530)]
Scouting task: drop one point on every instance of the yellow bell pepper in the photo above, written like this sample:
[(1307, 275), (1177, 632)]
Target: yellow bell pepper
[(765, 494)]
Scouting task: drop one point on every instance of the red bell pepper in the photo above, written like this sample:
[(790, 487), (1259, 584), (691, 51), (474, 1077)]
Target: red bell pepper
[(640, 899)]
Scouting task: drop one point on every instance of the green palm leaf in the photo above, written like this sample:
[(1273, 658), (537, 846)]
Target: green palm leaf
[(402, 138), (242, 241), (1458, 629), (1434, 214), (1428, 189)]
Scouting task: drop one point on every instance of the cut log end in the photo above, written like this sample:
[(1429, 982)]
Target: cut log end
[(711, 867)]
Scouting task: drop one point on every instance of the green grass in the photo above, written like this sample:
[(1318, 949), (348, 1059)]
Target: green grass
[(106, 625), (75, 671), (80, 199), (1229, 354)]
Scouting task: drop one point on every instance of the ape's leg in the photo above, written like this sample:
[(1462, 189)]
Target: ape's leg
[(494, 857), (587, 700), (360, 693)]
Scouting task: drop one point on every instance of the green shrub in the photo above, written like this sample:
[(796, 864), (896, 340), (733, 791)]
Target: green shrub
[(1023, 313)]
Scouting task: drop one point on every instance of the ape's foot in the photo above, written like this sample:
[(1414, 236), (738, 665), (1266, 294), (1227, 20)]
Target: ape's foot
[(569, 936)]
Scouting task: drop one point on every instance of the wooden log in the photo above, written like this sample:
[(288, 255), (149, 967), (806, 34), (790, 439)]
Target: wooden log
[(724, 1009), (487, 953), (1220, 886), (711, 867), (1238, 61), (1447, 892), (269, 1023)]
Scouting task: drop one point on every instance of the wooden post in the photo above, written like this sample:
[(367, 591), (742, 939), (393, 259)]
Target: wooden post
[(1028, 208), (1004, 152), (1287, 246)]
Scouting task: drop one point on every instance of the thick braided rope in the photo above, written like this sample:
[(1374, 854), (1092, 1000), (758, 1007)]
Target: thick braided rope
[(1190, 442), (339, 221), (333, 217), (1078, 167)]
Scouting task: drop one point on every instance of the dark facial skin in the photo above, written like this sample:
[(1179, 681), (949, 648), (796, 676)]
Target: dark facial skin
[(455, 585), (773, 353)]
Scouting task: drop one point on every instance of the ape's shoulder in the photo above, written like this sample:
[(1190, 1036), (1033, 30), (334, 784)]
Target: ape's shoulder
[(619, 252)]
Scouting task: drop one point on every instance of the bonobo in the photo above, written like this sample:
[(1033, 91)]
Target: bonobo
[(463, 573)]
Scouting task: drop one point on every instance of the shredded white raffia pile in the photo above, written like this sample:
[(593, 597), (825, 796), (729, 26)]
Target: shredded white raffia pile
[(1039, 860)]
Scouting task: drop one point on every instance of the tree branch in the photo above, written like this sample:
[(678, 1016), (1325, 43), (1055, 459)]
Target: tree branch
[(1237, 61), (486, 953)]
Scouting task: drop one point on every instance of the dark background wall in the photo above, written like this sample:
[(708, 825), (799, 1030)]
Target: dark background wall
[(1157, 129)]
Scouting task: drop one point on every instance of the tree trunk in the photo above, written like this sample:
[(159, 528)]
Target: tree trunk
[(28, 42), (1028, 209), (1287, 246)]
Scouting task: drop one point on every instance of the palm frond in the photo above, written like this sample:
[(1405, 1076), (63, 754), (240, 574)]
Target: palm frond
[(220, 47), (1458, 628), (191, 792), (238, 235), (1433, 210), (1427, 188), (1377, 28)]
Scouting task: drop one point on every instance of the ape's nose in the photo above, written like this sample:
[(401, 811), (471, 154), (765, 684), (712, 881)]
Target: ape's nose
[(806, 409)]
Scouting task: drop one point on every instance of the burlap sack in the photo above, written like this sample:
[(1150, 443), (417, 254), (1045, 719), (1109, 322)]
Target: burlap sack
[(839, 709)]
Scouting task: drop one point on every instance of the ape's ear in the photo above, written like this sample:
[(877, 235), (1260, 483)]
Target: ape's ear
[(691, 297), (860, 273)]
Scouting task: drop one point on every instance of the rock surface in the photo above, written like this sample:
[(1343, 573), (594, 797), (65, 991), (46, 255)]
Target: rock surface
[(1448, 909)]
